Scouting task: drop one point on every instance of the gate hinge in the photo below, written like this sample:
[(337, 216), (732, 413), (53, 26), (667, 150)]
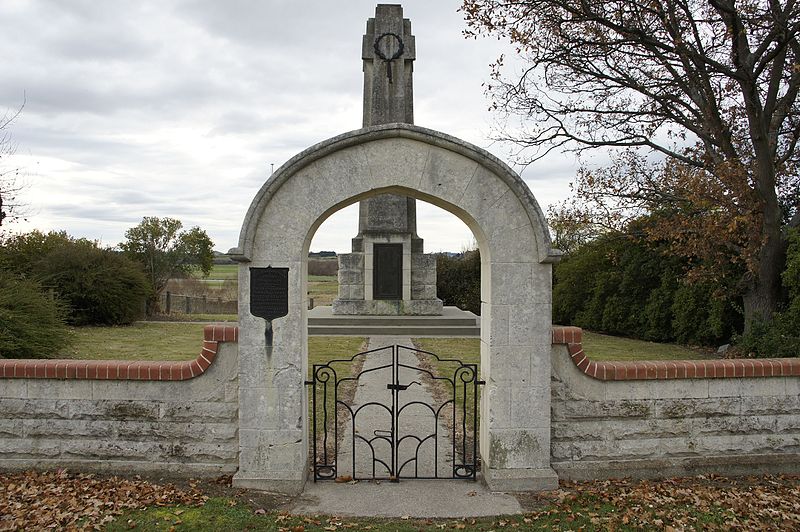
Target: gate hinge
[(307, 383)]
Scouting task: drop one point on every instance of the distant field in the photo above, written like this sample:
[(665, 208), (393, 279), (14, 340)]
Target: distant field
[(323, 289), (224, 271)]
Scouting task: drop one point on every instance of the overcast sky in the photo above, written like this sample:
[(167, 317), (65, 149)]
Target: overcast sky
[(179, 107)]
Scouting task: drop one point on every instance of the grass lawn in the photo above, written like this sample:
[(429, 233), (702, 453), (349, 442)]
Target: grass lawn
[(322, 349), (140, 341), (177, 341), (215, 318), (700, 503), (182, 341), (604, 347), (322, 288), (597, 347), (467, 350)]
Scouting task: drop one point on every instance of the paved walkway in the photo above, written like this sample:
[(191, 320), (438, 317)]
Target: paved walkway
[(409, 497), (417, 456)]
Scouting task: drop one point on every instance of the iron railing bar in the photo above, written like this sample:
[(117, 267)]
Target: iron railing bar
[(314, 416), (395, 414)]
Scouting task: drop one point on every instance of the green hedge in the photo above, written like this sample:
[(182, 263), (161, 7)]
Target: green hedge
[(458, 280), (620, 285)]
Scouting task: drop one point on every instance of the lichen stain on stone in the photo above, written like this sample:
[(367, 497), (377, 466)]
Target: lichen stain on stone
[(131, 410), (498, 455), (634, 409), (676, 409), (525, 445), (177, 450)]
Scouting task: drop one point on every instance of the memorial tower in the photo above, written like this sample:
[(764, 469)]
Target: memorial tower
[(387, 272)]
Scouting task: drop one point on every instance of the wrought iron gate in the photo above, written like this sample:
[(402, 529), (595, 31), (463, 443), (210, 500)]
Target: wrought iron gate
[(430, 432)]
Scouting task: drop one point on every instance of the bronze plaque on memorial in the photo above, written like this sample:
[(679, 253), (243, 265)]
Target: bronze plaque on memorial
[(388, 271)]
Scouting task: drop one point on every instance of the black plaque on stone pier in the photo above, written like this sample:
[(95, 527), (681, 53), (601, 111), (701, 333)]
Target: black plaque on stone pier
[(269, 292), (269, 296)]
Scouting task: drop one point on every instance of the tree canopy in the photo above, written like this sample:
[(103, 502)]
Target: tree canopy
[(710, 85), (165, 251)]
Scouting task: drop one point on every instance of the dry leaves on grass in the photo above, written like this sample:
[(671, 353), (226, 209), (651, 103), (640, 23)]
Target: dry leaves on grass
[(706, 502), (61, 500)]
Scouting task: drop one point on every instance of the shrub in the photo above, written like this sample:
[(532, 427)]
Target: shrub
[(458, 280), (574, 283), (658, 311), (781, 337), (701, 316), (31, 322), (100, 286)]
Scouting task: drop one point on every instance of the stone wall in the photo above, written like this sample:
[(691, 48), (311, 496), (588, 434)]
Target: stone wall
[(671, 418), (609, 419), (165, 417)]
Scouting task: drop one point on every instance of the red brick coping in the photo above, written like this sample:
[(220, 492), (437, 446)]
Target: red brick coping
[(124, 370), (671, 369), (571, 336)]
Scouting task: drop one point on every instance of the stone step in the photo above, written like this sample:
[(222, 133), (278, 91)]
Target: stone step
[(396, 330), (452, 322), (393, 321)]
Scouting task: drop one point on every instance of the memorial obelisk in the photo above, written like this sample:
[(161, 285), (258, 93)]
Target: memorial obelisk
[(387, 272)]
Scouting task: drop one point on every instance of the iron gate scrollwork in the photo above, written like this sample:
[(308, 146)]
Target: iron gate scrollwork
[(393, 434)]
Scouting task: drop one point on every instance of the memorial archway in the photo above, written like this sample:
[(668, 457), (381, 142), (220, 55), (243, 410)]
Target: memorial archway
[(515, 292)]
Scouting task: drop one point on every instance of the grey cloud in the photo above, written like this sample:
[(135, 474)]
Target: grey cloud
[(99, 213), (252, 82)]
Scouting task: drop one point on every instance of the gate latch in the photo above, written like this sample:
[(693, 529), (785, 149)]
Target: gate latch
[(401, 387)]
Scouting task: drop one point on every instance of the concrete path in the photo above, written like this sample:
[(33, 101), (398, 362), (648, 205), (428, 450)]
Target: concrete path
[(409, 497), (424, 446)]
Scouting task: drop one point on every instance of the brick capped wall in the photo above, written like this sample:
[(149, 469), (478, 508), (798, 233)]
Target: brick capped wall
[(178, 417), (613, 419), (607, 418)]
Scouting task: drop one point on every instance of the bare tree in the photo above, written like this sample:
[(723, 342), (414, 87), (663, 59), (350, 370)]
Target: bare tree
[(710, 84), (10, 185)]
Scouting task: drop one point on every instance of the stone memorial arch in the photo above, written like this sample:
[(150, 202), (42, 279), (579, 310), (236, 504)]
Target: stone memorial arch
[(401, 159), (247, 412)]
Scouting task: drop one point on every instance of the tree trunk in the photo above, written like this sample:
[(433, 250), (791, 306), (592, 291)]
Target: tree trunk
[(764, 293)]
